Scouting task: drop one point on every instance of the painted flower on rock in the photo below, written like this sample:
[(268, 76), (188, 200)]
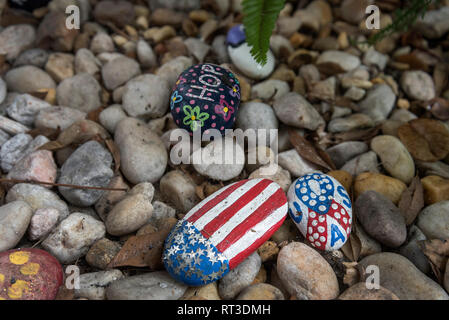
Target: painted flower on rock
[(194, 117), (235, 91), (224, 109), (175, 98)]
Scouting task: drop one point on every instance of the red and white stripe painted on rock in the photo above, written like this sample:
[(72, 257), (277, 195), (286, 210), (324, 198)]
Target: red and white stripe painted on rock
[(240, 217)]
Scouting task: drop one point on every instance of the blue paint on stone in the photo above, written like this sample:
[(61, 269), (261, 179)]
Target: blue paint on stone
[(191, 258), (236, 36)]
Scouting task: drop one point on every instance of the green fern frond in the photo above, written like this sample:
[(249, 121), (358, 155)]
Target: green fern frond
[(403, 19), (259, 21)]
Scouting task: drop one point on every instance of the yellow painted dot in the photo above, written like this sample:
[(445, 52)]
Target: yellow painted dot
[(2, 277), (30, 269), (193, 118), (225, 109), (19, 257), (174, 99), (2, 298), (234, 89), (16, 290)]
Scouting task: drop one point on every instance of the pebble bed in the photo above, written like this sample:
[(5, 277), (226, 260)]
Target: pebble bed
[(91, 107)]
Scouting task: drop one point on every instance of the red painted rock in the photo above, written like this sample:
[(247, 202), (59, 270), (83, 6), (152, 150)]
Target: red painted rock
[(223, 230), (29, 274)]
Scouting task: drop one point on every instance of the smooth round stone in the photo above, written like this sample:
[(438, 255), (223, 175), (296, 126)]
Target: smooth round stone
[(206, 96), (240, 54), (29, 274), (321, 208), (223, 230)]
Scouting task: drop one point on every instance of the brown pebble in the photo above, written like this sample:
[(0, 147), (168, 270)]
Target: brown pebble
[(344, 177), (390, 187), (436, 189)]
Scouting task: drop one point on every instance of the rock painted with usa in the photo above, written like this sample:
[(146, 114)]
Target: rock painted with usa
[(29, 274), (321, 209), (206, 96), (223, 230)]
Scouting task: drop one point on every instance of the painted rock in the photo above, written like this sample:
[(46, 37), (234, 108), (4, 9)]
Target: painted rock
[(240, 54), (321, 209), (224, 229), (206, 96), (28, 5), (29, 274)]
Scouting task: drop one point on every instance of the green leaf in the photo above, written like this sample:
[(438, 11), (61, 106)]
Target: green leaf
[(259, 21)]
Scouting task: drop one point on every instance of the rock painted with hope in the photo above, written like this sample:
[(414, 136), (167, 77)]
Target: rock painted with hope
[(321, 209), (206, 96), (224, 229)]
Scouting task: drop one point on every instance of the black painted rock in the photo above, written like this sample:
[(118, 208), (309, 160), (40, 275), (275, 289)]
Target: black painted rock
[(205, 97)]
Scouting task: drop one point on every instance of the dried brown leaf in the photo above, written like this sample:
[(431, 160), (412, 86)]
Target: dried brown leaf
[(357, 135), (142, 251), (53, 145), (65, 294), (94, 115), (308, 151), (352, 248), (330, 68), (437, 252), (425, 139), (412, 201), (50, 133), (414, 61)]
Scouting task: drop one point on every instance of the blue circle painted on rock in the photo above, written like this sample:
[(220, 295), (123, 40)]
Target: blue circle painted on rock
[(236, 36), (206, 96), (316, 192)]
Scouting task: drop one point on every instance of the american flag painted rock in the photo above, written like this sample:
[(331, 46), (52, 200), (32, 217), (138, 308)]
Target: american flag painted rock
[(224, 229), (321, 209)]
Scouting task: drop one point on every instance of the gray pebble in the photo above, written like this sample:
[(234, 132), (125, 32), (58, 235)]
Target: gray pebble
[(381, 219), (73, 236), (344, 60), (25, 107), (118, 71), (269, 89), (143, 154), (171, 70), (3, 90), (345, 151), (15, 39), (101, 42), (366, 162), (14, 220), (297, 166), (86, 62), (292, 109), (418, 85), (89, 165), (145, 54), (146, 96), (350, 123), (27, 79), (93, 285), (81, 92), (434, 220), (378, 103), (157, 285), (111, 116), (240, 277), (180, 190), (38, 197), (35, 57), (412, 251), (58, 117)]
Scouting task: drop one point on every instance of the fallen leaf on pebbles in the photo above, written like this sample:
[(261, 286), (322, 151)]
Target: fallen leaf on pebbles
[(412, 201), (425, 139)]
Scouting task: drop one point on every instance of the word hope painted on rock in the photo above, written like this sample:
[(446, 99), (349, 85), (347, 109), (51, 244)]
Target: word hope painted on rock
[(29, 274), (206, 96), (321, 209), (223, 230)]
